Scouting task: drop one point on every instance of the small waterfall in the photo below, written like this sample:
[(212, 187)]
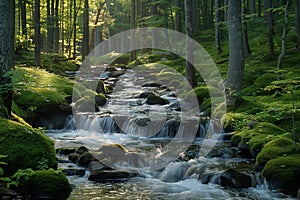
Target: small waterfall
[(174, 172), (69, 123)]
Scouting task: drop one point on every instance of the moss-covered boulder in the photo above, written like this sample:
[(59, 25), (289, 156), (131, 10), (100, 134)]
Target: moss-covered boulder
[(100, 99), (283, 174), (234, 121), (48, 184), (275, 148), (24, 147)]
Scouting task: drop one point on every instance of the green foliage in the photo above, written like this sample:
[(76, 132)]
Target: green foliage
[(234, 121), (24, 147)]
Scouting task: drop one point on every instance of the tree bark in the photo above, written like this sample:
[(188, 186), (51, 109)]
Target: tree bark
[(259, 8), (236, 52), (297, 21), (253, 8), (37, 33), (56, 27), (270, 24), (283, 40), (23, 17), (85, 42), (74, 30), (190, 71), (247, 49), (7, 38), (218, 28), (132, 25)]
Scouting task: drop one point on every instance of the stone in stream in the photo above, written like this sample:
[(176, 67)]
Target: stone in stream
[(73, 157), (156, 100), (104, 176), (65, 151), (234, 179), (85, 159), (74, 172)]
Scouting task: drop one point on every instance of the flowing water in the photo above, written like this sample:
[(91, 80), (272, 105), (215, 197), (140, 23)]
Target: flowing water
[(188, 177)]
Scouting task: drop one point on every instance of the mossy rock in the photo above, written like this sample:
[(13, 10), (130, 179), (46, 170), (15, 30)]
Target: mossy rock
[(234, 121), (262, 81), (256, 129), (24, 147), (283, 174), (247, 105), (48, 184), (257, 142), (275, 148)]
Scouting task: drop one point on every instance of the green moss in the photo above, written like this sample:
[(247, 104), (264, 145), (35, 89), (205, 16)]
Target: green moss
[(283, 173), (275, 148), (48, 183), (36, 88), (234, 121), (247, 105), (24, 146)]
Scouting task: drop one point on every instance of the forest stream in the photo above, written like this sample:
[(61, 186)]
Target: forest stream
[(188, 177)]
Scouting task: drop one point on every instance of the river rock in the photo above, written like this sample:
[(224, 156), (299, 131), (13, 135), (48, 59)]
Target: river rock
[(74, 172), (156, 100), (85, 159), (174, 172), (81, 150), (145, 94), (100, 100), (152, 85), (234, 179), (115, 74), (244, 150), (97, 166), (65, 151), (104, 176), (73, 157)]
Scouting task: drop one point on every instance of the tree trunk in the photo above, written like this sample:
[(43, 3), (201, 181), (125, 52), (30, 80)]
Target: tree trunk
[(190, 71), (283, 41), (23, 17), (247, 49), (37, 33), (56, 27), (259, 8), (74, 29), (297, 20), (205, 14), (62, 24), (7, 38), (253, 8), (270, 24), (196, 16), (178, 15), (50, 34), (236, 52), (86, 33), (218, 28), (132, 25)]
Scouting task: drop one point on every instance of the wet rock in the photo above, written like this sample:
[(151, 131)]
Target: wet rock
[(115, 74), (104, 176), (65, 108), (65, 151), (100, 100), (244, 150), (100, 87), (74, 172), (174, 172), (110, 153), (97, 166), (157, 85), (145, 95), (7, 193), (73, 157), (81, 150), (156, 100), (85, 159), (227, 136), (235, 179)]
